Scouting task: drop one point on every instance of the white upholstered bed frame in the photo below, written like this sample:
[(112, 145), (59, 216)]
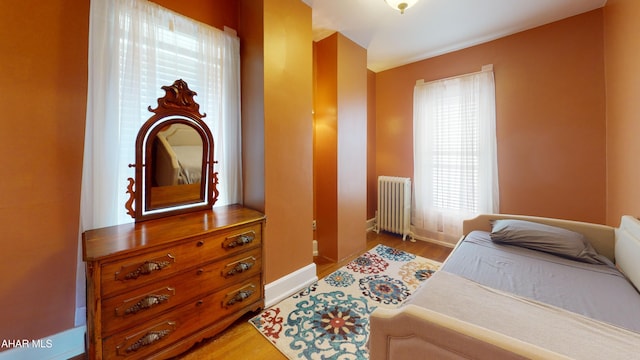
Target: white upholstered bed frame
[(509, 327)]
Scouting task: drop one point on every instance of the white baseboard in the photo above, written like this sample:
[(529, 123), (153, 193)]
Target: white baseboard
[(433, 241), (81, 316), (61, 346), (288, 285), (371, 224)]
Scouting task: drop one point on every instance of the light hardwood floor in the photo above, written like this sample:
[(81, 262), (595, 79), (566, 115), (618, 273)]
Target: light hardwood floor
[(242, 341)]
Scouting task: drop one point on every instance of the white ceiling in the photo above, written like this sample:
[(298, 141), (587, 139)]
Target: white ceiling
[(433, 27)]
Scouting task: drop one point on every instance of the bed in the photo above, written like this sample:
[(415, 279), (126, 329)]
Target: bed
[(505, 299)]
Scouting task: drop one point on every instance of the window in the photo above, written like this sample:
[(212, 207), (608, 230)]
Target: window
[(455, 165), (135, 48)]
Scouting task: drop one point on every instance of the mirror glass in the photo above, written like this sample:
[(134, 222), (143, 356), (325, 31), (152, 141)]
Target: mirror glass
[(176, 167)]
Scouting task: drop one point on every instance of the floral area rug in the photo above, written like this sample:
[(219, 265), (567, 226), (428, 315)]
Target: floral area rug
[(330, 319)]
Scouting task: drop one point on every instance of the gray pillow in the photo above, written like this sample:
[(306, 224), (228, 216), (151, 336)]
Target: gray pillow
[(550, 239)]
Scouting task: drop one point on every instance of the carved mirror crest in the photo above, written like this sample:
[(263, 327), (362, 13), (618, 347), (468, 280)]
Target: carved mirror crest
[(174, 159)]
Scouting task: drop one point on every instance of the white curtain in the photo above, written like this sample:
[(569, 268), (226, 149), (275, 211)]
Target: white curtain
[(455, 153), (135, 48)]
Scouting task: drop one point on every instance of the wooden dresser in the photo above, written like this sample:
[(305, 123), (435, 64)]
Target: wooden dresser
[(155, 288)]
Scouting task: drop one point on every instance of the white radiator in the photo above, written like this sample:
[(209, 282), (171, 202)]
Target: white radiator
[(394, 205)]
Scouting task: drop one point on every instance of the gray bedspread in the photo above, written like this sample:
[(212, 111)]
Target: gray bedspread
[(600, 292)]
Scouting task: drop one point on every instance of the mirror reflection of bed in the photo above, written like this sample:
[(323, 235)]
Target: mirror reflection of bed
[(176, 166)]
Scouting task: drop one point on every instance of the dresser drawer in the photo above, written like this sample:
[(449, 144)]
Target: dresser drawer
[(147, 301), (144, 339), (138, 270)]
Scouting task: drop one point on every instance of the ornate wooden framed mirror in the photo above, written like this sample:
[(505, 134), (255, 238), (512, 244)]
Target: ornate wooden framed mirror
[(174, 159)]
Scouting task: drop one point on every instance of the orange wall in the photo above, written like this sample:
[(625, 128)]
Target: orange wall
[(372, 183), (43, 80), (550, 105), (340, 153), (278, 102), (250, 30), (288, 136), (352, 147), (622, 57), (325, 158)]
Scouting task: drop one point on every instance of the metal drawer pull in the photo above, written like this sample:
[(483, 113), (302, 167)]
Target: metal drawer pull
[(145, 303), (148, 339), (146, 268), (239, 240), (239, 266), (239, 297)]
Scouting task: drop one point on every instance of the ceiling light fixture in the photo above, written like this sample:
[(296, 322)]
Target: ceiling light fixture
[(401, 5)]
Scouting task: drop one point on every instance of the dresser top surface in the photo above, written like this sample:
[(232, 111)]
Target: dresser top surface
[(112, 240)]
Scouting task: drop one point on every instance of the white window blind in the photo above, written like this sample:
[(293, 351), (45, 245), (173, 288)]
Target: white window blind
[(455, 155), (455, 160)]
